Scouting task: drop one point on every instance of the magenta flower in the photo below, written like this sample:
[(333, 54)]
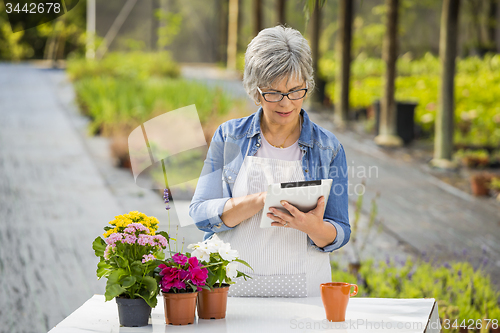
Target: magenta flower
[(198, 276), (180, 259), (193, 262)]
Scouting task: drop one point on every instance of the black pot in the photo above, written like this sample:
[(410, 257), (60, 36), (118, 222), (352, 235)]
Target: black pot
[(133, 312), (405, 121)]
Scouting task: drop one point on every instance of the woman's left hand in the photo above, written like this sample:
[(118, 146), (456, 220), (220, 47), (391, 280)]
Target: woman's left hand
[(305, 222)]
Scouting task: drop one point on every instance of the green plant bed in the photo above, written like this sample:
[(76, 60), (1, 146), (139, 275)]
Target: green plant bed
[(118, 105), (461, 291), (477, 85), (132, 65)]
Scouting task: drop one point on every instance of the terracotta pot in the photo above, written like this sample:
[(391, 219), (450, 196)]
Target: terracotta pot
[(212, 303), (335, 296), (179, 308), (479, 183)]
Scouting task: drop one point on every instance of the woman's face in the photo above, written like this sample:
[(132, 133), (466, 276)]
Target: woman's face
[(285, 111)]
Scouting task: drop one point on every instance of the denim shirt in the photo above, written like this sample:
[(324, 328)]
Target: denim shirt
[(323, 158)]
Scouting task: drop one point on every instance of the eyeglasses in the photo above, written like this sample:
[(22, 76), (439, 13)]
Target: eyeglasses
[(274, 97)]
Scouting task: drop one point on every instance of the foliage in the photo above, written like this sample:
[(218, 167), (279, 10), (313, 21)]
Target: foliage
[(129, 256), (12, 46), (129, 66), (115, 104), (477, 112), (495, 184), (220, 259), (358, 243), (473, 158), (461, 291)]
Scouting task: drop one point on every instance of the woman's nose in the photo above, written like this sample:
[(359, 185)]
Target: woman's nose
[(285, 101)]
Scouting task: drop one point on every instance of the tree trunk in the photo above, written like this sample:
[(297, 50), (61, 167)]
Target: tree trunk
[(222, 25), (232, 37), (281, 11), (387, 131), (343, 46), (492, 25), (257, 17), (443, 141), (319, 94)]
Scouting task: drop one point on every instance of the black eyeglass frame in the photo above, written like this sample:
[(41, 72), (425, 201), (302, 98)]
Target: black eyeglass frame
[(282, 95)]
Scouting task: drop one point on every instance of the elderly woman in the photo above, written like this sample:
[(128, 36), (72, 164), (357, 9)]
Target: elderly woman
[(278, 143)]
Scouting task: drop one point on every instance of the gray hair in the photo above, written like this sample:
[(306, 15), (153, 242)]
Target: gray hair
[(274, 54)]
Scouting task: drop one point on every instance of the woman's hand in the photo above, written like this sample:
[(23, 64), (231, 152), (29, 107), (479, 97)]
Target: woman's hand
[(322, 233), (296, 219)]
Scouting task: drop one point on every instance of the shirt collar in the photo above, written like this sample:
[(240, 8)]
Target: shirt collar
[(305, 134)]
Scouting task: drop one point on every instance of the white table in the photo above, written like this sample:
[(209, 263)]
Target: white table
[(262, 315)]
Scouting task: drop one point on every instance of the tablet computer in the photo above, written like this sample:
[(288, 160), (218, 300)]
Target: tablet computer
[(303, 195)]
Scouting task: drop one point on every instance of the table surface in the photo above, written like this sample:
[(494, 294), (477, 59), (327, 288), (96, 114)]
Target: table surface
[(248, 314)]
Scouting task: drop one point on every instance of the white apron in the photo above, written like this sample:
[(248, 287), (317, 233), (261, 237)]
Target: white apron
[(283, 262)]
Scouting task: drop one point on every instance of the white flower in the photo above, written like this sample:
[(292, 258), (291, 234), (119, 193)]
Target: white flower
[(231, 270), (214, 244), (227, 254), (201, 255), (193, 246)]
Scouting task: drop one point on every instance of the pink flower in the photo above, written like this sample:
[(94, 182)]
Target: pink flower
[(148, 257), (130, 239), (198, 276), (113, 238), (161, 240), (180, 259), (193, 262), (144, 240)]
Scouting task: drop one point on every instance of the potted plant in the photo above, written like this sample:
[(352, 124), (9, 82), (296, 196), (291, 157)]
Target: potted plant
[(221, 262), (494, 187), (473, 158), (480, 183), (129, 254), (181, 277), (358, 244)]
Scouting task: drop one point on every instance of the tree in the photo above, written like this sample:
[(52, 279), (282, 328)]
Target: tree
[(257, 16), (443, 141), (387, 131), (343, 46), (281, 11), (232, 37), (319, 95)]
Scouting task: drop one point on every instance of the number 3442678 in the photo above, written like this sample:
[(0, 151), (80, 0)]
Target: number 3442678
[(471, 323), (33, 8)]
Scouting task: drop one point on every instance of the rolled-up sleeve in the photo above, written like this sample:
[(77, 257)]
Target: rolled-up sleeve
[(208, 201), (336, 210)]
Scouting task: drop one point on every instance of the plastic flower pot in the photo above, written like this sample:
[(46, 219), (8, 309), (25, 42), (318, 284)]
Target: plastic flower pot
[(212, 303), (180, 308), (133, 312)]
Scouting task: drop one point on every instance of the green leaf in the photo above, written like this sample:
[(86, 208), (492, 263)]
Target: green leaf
[(103, 269), (122, 262), (116, 275), (244, 263), (150, 284), (99, 245), (164, 234), (136, 268), (128, 281), (113, 290), (160, 255), (221, 274)]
